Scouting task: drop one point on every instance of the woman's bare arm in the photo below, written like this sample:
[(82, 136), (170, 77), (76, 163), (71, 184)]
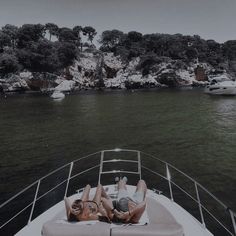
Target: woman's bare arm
[(133, 215), (136, 213), (86, 217)]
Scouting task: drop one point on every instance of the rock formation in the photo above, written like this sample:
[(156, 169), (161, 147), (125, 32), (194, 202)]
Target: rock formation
[(95, 69)]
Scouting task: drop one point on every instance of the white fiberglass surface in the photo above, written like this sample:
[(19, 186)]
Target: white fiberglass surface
[(191, 226)]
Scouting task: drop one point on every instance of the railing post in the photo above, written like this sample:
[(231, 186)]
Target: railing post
[(199, 205), (233, 221), (68, 179), (168, 176), (35, 198), (101, 165), (139, 165)]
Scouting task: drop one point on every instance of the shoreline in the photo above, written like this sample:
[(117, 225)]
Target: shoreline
[(93, 91)]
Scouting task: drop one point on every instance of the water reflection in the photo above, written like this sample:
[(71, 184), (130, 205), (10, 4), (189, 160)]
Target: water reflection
[(226, 112)]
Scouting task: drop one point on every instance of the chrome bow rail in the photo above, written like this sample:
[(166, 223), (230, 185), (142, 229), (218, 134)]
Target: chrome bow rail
[(119, 162)]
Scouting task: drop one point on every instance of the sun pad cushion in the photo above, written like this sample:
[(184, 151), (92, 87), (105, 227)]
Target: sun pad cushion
[(161, 223)]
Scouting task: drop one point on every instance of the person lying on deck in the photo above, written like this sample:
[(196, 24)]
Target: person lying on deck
[(84, 209), (126, 209)]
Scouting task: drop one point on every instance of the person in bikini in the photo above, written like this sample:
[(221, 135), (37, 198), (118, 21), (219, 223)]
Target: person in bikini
[(84, 209), (126, 209)]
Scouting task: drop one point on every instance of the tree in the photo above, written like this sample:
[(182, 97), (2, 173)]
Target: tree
[(191, 53), (213, 45), (77, 30), (12, 32), (155, 43), (66, 35), (66, 53), (134, 36), (52, 30), (40, 56), (8, 63), (24, 57), (90, 32), (110, 39), (45, 57), (5, 40), (229, 49), (177, 45), (30, 32)]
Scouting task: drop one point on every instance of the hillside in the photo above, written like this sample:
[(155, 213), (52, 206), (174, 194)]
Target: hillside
[(31, 60)]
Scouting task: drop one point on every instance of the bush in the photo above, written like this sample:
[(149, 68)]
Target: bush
[(66, 53), (8, 63), (40, 57)]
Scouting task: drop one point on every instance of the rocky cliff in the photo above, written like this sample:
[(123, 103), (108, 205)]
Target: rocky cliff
[(105, 70)]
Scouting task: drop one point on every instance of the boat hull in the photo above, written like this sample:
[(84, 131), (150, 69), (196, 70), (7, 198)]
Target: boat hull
[(223, 88), (58, 95)]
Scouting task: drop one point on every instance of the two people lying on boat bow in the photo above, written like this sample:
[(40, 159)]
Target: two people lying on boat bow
[(126, 209)]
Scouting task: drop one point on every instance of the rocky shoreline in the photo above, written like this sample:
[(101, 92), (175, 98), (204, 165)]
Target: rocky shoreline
[(96, 70)]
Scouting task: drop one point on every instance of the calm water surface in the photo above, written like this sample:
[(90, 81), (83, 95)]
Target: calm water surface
[(193, 131)]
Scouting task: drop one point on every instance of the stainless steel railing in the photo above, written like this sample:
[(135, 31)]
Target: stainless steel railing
[(142, 166), (196, 199)]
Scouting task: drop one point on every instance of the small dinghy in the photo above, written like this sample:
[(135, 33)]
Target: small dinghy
[(58, 95), (176, 205)]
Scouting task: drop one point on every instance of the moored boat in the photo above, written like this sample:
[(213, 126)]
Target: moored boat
[(221, 88)]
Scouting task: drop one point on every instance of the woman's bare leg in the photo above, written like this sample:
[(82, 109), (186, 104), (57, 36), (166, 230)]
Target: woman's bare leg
[(106, 199), (98, 194), (122, 185), (101, 195), (85, 195), (107, 205), (104, 194), (141, 187)]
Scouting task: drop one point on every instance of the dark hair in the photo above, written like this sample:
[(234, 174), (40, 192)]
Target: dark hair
[(77, 201), (117, 220), (122, 204), (76, 204), (104, 219), (72, 218)]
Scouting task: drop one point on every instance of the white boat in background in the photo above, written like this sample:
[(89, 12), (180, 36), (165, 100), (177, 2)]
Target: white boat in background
[(58, 95), (221, 88), (177, 205)]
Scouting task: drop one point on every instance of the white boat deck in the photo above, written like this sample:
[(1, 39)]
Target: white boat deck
[(191, 226)]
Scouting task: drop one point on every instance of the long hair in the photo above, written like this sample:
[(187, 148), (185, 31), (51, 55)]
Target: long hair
[(76, 206)]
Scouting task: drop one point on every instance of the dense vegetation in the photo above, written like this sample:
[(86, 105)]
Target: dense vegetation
[(31, 47), (48, 48), (153, 47)]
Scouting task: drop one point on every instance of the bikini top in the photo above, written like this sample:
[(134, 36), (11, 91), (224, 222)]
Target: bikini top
[(92, 206)]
